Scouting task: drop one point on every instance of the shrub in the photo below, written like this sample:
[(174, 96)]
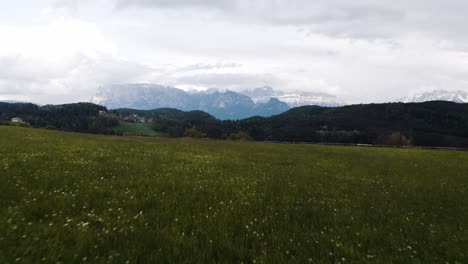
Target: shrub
[(240, 136), (22, 124), (194, 133)]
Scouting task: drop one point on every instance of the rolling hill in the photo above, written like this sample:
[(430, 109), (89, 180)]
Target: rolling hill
[(437, 123)]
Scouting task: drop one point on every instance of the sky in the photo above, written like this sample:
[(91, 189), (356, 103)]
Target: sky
[(62, 51)]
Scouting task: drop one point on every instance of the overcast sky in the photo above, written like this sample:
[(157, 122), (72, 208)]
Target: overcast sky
[(361, 50)]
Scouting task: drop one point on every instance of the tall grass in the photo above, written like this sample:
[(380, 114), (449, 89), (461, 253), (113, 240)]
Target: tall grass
[(75, 198)]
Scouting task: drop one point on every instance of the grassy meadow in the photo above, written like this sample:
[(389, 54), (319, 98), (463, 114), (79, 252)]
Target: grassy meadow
[(139, 129), (78, 198)]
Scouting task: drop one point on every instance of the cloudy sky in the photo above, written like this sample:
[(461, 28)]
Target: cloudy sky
[(57, 51)]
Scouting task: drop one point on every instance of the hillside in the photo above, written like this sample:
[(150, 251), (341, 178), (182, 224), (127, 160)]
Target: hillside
[(431, 124), (437, 124), (165, 113), (440, 124), (79, 117), (137, 129), (69, 198)]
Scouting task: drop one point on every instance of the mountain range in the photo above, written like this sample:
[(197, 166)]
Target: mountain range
[(227, 104), (293, 98), (456, 96)]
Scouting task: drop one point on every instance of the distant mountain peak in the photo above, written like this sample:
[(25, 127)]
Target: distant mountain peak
[(293, 98), (223, 104), (273, 100), (265, 89), (457, 96)]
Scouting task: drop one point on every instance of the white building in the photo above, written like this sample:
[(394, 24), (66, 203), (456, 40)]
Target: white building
[(16, 120)]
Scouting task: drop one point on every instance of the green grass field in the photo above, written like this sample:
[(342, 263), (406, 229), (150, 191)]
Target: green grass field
[(139, 129), (73, 198)]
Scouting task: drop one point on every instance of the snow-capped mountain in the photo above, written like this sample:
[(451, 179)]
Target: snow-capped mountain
[(293, 98), (14, 102), (270, 108), (223, 105), (141, 96), (457, 96)]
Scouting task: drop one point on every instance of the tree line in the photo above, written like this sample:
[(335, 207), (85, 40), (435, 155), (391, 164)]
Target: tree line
[(79, 117), (420, 124)]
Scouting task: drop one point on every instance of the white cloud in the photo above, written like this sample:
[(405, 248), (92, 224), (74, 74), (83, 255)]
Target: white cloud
[(61, 51), (61, 60)]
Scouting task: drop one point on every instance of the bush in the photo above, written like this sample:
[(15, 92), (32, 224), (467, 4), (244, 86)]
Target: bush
[(240, 136), (194, 133), (20, 124)]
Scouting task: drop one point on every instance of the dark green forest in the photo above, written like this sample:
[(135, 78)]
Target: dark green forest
[(438, 124), (79, 117)]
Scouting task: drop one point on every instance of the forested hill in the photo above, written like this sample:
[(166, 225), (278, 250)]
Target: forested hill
[(165, 113), (79, 117), (421, 124), (434, 123), (431, 123)]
